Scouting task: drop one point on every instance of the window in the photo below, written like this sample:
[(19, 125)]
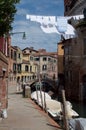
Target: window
[(54, 61), (31, 58), (26, 68), (53, 68), (35, 69), (44, 58), (30, 68), (49, 59), (14, 55), (11, 54), (44, 67), (19, 68), (14, 67), (37, 59), (19, 56)]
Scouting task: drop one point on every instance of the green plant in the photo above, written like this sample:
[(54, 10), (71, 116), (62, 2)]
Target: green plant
[(7, 12)]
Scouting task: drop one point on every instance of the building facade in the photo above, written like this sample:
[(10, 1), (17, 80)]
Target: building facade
[(74, 52), (4, 45), (74, 7), (18, 62), (12, 63), (75, 65), (27, 69), (3, 73), (3, 81), (47, 64), (26, 65)]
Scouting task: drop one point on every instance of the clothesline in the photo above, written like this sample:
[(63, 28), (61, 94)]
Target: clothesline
[(55, 24)]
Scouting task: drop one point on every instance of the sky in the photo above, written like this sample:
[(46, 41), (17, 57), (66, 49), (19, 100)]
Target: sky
[(35, 37)]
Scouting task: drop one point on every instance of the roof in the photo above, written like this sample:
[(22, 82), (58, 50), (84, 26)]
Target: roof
[(29, 48), (51, 54)]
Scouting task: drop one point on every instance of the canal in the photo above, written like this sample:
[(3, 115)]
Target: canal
[(80, 108)]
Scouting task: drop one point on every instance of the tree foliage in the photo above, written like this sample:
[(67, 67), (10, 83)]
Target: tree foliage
[(7, 12)]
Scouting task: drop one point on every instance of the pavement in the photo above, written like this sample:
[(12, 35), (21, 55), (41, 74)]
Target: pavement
[(24, 114)]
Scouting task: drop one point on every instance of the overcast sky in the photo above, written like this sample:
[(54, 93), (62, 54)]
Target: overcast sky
[(35, 37)]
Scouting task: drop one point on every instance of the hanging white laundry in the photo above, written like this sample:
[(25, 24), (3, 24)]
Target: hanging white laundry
[(68, 36), (27, 16), (33, 18), (48, 24), (55, 24), (48, 29), (45, 20), (53, 20), (77, 17), (70, 30), (39, 19), (62, 24)]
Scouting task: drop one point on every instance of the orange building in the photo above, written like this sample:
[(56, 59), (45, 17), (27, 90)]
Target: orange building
[(60, 58)]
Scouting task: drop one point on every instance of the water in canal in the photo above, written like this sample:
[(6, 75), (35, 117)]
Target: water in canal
[(80, 108)]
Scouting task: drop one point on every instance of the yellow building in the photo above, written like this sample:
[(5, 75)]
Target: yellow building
[(60, 58), (27, 69), (60, 64), (18, 62)]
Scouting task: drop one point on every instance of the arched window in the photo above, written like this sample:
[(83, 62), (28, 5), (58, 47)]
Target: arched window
[(44, 67), (26, 68)]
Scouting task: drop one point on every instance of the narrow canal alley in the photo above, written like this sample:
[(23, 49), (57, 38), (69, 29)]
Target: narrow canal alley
[(24, 114)]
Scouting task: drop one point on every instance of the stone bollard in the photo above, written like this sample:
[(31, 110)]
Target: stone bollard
[(27, 92)]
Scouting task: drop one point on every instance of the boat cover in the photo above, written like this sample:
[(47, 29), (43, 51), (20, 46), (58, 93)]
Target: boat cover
[(78, 124)]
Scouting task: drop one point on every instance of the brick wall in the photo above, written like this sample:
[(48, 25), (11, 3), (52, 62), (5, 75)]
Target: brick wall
[(3, 81)]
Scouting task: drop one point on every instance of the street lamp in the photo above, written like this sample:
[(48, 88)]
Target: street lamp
[(24, 35), (6, 43)]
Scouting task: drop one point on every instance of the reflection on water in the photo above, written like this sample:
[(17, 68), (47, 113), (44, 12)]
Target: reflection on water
[(80, 108)]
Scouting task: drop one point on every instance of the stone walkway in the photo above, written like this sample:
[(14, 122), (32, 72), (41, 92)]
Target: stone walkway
[(24, 114)]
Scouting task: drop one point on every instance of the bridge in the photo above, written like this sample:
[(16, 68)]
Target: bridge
[(47, 85)]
